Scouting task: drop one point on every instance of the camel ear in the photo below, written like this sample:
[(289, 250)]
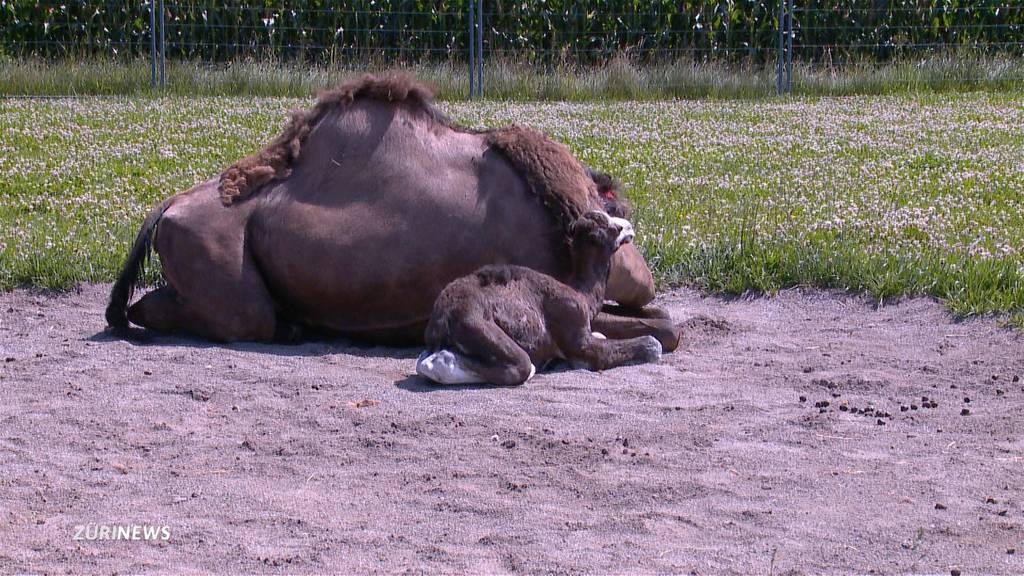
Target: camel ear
[(584, 227)]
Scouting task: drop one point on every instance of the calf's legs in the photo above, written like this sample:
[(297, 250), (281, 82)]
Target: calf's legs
[(623, 327), (600, 354), (485, 354), (645, 312)]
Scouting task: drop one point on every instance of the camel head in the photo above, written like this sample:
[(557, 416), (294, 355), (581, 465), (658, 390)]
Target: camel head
[(630, 282), (596, 237), (598, 230)]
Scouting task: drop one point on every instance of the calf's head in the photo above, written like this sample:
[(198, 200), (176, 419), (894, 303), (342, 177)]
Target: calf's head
[(630, 282), (596, 236)]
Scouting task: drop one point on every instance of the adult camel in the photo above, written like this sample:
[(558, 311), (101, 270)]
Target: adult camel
[(355, 218)]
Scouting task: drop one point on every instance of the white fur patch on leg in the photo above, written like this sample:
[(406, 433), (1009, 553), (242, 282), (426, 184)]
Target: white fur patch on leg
[(598, 335), (445, 367)]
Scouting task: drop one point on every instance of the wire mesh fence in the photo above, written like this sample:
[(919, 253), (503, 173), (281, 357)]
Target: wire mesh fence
[(883, 30), (542, 34)]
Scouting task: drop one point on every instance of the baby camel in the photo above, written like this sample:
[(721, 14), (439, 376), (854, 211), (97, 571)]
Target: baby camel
[(501, 322)]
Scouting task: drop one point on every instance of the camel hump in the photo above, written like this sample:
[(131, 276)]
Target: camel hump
[(550, 169), (248, 175), (388, 87)]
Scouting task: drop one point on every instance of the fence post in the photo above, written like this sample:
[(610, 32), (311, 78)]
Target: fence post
[(779, 56), (472, 48), (163, 46), (789, 49), (152, 43), (480, 49)]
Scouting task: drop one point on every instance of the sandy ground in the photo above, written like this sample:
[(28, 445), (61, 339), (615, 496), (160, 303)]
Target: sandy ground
[(330, 457)]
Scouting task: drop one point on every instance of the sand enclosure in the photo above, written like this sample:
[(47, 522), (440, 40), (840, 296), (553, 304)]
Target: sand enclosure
[(805, 433)]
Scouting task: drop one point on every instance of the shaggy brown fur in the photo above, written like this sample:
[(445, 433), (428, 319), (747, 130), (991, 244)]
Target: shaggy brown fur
[(565, 187), (274, 162), (608, 190), (549, 168)]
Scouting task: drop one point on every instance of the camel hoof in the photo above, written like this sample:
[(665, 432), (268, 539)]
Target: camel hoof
[(652, 349), (445, 367)]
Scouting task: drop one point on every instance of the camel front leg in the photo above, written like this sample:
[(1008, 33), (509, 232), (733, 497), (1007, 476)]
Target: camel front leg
[(599, 354), (650, 312), (626, 327)]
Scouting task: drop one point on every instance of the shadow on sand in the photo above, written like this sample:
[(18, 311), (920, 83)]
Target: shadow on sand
[(421, 384), (140, 337)]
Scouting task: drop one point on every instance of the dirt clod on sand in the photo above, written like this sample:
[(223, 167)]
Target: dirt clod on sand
[(734, 455)]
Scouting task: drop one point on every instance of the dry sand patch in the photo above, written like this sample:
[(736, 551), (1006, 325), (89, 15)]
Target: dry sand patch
[(805, 433)]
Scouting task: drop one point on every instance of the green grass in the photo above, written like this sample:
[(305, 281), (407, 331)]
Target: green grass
[(619, 79), (888, 195)]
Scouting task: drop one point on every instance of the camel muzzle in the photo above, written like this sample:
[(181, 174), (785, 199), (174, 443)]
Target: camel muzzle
[(626, 232)]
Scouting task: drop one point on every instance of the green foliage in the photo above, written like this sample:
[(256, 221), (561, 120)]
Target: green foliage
[(549, 32)]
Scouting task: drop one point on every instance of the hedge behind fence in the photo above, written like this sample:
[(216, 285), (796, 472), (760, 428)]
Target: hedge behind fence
[(549, 31)]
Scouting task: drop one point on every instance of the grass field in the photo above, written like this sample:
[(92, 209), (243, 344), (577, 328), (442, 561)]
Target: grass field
[(952, 70), (884, 194)]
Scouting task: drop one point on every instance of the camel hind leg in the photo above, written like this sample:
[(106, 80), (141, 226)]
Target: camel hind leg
[(157, 310), (485, 354), (215, 290), (163, 311)]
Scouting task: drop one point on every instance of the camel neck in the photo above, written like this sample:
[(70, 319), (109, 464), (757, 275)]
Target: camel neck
[(590, 279)]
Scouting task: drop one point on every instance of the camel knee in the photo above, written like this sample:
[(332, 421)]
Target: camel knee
[(651, 349)]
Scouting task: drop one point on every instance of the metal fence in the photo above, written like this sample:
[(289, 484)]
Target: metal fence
[(762, 32)]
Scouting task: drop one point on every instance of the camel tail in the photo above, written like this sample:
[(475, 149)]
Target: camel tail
[(128, 280)]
